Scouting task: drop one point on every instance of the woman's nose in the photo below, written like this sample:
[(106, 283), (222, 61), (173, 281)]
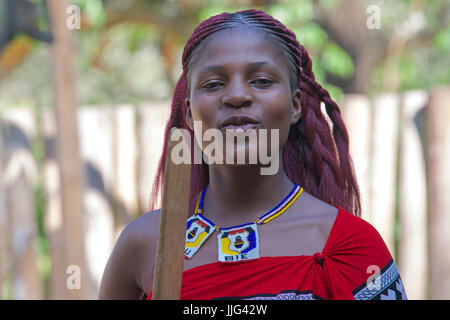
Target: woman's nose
[(237, 95)]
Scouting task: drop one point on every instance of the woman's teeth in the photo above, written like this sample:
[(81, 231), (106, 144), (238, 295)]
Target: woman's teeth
[(243, 127)]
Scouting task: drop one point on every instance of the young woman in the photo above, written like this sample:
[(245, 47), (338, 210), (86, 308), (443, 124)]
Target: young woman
[(293, 234)]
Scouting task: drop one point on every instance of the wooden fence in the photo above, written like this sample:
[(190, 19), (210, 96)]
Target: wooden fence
[(400, 144)]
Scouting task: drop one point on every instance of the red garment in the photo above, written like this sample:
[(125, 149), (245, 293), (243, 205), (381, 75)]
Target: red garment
[(345, 269)]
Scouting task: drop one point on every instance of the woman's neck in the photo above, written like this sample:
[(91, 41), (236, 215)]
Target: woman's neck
[(240, 194)]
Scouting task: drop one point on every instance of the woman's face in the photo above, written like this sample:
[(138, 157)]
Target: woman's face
[(240, 82)]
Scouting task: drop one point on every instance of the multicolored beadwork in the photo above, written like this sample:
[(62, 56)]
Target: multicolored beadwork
[(234, 243), (238, 243), (282, 206), (197, 231)]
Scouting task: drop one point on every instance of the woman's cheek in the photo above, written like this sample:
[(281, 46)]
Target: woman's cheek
[(278, 117), (204, 116)]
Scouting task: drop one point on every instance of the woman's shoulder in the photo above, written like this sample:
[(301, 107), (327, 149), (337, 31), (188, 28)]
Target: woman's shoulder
[(143, 231)]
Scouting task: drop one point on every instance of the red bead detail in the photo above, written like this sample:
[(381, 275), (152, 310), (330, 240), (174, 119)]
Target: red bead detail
[(201, 223), (237, 231)]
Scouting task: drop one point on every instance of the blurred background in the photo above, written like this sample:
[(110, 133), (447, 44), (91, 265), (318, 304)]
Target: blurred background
[(85, 89)]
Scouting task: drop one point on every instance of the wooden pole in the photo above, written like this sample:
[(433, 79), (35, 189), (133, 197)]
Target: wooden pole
[(96, 133), (172, 228), (412, 247), (3, 222), (438, 156), (357, 117), (384, 164), (152, 119), (68, 150), (125, 156)]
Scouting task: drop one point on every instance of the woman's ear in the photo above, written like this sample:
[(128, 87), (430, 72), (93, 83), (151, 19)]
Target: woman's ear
[(296, 108), (189, 120)]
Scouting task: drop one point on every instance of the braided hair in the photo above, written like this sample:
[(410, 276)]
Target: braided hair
[(315, 155)]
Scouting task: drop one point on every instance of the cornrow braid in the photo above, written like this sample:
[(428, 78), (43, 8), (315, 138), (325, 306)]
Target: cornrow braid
[(315, 155)]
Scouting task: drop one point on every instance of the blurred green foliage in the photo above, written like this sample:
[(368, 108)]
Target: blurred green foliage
[(335, 60), (127, 61)]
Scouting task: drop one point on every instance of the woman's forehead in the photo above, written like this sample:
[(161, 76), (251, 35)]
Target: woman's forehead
[(239, 46)]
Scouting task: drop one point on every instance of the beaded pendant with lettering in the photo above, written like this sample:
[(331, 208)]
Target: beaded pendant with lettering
[(238, 243), (235, 243)]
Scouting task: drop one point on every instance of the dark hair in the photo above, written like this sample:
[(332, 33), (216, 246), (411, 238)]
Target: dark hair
[(315, 155)]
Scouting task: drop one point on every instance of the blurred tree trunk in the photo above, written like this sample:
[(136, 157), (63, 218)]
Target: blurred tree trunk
[(346, 25), (68, 150)]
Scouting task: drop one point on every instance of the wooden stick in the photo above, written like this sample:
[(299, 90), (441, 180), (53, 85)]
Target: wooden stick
[(172, 228)]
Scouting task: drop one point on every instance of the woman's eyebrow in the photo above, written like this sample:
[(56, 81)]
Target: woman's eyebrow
[(220, 68)]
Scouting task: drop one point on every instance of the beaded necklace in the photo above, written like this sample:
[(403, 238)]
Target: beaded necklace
[(234, 243)]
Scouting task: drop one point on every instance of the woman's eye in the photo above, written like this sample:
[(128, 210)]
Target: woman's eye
[(262, 82), (212, 85)]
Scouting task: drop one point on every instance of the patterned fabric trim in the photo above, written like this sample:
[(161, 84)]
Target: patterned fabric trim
[(386, 286), (283, 295)]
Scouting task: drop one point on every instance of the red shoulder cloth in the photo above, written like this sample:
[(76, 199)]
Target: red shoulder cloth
[(354, 264)]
